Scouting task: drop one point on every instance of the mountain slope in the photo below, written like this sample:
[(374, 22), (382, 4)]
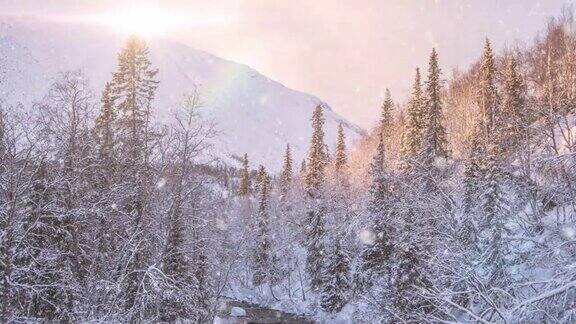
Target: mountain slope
[(253, 114)]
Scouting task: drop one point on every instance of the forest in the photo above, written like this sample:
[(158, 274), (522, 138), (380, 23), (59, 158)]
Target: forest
[(459, 206)]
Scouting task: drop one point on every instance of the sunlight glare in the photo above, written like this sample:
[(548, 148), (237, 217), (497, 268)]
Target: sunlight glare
[(143, 20)]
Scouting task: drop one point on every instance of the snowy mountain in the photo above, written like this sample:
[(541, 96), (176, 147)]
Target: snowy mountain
[(253, 114)]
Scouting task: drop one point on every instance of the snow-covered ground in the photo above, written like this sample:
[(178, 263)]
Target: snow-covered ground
[(253, 113)]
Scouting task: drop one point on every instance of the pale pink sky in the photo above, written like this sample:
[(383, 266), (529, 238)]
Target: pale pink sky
[(345, 52)]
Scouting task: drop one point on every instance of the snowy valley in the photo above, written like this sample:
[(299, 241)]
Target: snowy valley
[(457, 206)]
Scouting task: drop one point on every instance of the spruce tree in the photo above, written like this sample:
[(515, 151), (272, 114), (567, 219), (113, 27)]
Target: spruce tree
[(244, 187), (485, 203), (104, 129), (265, 262), (435, 143), (336, 283), (340, 158), (487, 91), (317, 156), (313, 185), (132, 91), (513, 111), (386, 114), (377, 252), (303, 169), (286, 174), (473, 172), (493, 215), (43, 255), (415, 121), (176, 266)]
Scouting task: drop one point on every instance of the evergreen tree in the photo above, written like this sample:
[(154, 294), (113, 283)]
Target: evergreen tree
[(133, 88), (435, 142), (286, 174), (244, 187), (104, 130), (487, 91), (265, 261), (411, 145), (340, 158), (493, 212), (303, 169), (317, 156), (176, 265), (514, 116), (42, 255), (313, 185), (336, 283), (377, 252), (386, 113)]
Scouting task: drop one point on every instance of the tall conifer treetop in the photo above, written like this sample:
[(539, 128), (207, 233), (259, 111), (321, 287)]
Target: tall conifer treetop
[(435, 142), (341, 159), (286, 174), (244, 187), (415, 120), (317, 155), (132, 91), (487, 93), (386, 113)]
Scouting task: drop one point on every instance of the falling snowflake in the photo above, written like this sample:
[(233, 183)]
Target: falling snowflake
[(221, 224), (114, 206), (161, 183), (367, 237), (567, 232)]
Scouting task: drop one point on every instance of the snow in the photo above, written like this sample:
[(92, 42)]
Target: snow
[(237, 312), (253, 114), (567, 232), (367, 237), (161, 183)]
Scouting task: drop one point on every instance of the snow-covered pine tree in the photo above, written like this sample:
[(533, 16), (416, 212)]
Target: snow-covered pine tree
[(412, 141), (386, 114), (485, 204), (481, 136), (340, 156), (313, 186), (435, 144), (104, 133), (176, 265), (514, 118), (133, 89), (264, 260), (487, 96), (317, 156), (44, 269), (473, 173), (104, 139), (286, 173), (244, 186), (493, 216), (303, 170), (336, 279), (378, 241)]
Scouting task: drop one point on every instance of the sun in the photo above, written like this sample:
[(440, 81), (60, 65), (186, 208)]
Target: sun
[(143, 20)]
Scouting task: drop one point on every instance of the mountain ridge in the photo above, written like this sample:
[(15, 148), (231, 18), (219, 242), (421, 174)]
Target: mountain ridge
[(253, 113)]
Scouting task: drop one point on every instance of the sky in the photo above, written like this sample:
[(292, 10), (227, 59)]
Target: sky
[(346, 52)]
